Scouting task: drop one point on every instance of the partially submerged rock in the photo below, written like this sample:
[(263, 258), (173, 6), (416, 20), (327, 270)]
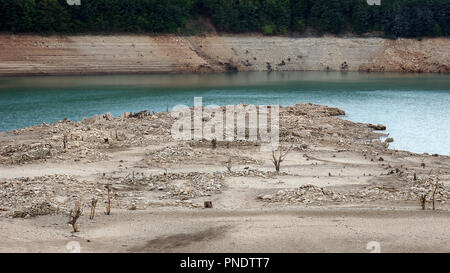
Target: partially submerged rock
[(377, 127)]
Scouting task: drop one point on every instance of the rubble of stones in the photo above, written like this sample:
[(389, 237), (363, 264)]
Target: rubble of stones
[(310, 123), (57, 194), (88, 139), (303, 124), (29, 197), (172, 154), (181, 186), (193, 184), (17, 154), (91, 138), (411, 190), (306, 194), (195, 150)]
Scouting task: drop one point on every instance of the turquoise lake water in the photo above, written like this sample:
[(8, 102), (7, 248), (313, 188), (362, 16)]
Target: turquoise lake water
[(415, 107)]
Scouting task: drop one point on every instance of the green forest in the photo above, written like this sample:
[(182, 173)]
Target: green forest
[(393, 18)]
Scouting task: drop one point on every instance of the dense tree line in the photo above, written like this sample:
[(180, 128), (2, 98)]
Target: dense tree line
[(405, 18)]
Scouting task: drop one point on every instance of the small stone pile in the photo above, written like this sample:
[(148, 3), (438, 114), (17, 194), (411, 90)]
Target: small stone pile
[(172, 154), (306, 194), (373, 193), (196, 185), (181, 186), (256, 173), (310, 194)]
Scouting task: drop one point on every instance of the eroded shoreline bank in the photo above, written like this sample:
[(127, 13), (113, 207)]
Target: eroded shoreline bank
[(131, 54)]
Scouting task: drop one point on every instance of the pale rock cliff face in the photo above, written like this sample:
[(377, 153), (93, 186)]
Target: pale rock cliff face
[(28, 55)]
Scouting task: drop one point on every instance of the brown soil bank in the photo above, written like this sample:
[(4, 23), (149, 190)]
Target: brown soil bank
[(29, 55)]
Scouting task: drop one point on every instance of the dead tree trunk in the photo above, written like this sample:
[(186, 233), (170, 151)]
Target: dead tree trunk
[(423, 200), (74, 215), (281, 156), (434, 195), (93, 205), (65, 141), (108, 204), (229, 165), (277, 165)]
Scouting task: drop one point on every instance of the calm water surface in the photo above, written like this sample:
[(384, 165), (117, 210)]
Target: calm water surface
[(415, 107)]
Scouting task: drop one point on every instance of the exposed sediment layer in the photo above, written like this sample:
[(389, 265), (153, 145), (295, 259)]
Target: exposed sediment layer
[(28, 54)]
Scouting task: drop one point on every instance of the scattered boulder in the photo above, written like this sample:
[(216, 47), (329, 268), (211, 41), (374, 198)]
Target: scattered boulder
[(377, 127)]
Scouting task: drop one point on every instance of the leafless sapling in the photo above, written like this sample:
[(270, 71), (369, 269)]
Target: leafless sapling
[(437, 185), (228, 164), (93, 205), (65, 140), (423, 200), (280, 157), (108, 203), (74, 215)]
